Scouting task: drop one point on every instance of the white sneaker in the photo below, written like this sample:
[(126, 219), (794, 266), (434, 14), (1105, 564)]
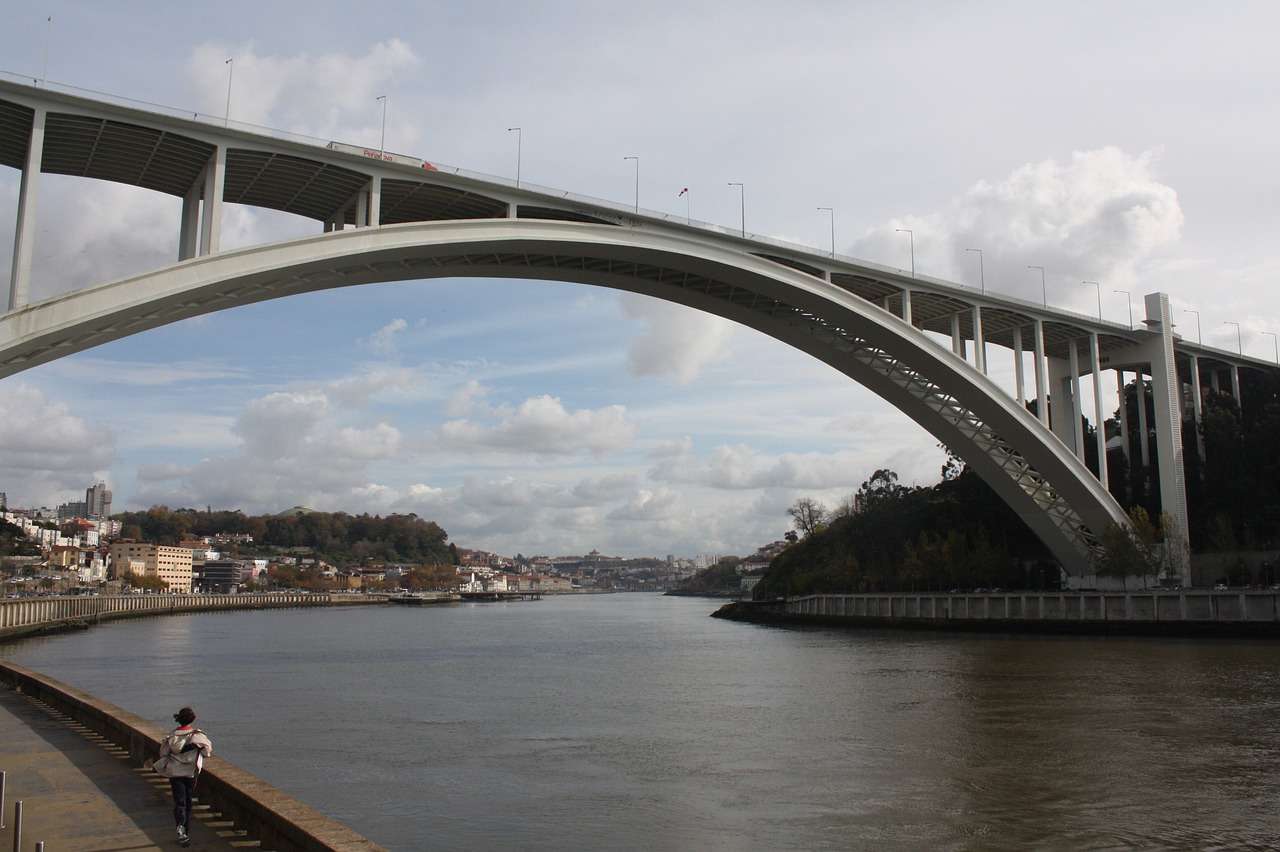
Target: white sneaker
[(182, 833)]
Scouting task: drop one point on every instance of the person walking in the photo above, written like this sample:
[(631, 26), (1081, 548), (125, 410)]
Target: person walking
[(182, 755)]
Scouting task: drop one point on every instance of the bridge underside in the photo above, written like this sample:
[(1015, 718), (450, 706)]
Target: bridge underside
[(1027, 466)]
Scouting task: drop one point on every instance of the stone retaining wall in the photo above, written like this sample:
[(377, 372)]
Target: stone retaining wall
[(25, 616), (1185, 612)]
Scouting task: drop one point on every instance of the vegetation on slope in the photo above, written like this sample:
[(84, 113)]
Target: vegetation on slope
[(887, 537), (334, 536)]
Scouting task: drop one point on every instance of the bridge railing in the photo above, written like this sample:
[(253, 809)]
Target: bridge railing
[(550, 193)]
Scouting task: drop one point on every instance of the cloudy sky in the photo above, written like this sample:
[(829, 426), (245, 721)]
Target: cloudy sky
[(1127, 143)]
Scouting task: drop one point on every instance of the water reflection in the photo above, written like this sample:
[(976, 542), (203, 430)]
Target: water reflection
[(638, 722)]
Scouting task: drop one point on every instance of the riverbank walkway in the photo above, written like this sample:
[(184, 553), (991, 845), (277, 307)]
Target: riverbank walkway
[(81, 792)]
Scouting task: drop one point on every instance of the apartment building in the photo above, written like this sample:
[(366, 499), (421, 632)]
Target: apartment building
[(173, 565)]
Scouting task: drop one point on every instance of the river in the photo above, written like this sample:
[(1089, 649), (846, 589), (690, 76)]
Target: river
[(635, 721)]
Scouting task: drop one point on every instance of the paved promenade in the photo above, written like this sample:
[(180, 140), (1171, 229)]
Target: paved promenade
[(79, 793)]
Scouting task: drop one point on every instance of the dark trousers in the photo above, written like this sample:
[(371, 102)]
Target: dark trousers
[(184, 791)]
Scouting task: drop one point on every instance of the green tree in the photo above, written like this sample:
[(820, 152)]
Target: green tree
[(1143, 548), (881, 487)]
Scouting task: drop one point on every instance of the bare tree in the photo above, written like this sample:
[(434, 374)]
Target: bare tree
[(808, 515)]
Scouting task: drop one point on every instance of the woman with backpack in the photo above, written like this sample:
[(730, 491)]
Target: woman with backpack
[(182, 755)]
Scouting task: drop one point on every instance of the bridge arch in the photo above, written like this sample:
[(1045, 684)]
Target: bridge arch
[(1049, 488)]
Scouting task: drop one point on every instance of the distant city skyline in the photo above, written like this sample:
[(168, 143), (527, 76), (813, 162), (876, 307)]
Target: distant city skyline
[(557, 418)]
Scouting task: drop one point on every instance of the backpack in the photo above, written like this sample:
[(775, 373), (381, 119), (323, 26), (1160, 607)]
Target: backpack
[(182, 754)]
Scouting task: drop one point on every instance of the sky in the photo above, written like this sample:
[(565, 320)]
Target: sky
[(1131, 144)]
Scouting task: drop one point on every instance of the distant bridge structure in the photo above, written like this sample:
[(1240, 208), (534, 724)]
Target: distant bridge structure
[(919, 343)]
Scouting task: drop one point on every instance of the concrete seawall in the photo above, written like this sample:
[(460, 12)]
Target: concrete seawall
[(28, 616), (1172, 613)]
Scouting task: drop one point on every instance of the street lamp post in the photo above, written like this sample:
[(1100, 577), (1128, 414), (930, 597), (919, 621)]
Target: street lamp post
[(1239, 340), (1276, 341), (742, 200), (833, 229), (231, 70), (912, 237), (382, 146), (1199, 339), (1044, 290), (982, 275), (1129, 303), (1099, 289), (44, 81), (637, 159), (519, 150)]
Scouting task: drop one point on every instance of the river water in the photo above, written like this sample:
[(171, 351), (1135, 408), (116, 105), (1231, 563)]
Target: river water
[(635, 721)]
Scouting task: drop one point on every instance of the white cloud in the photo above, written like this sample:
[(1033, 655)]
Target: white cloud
[(1096, 218), (161, 472), (325, 96), (50, 455), (741, 467), (543, 426), (464, 398), (383, 341), (90, 232), (652, 506), (604, 489), (294, 449), (679, 341), (364, 388)]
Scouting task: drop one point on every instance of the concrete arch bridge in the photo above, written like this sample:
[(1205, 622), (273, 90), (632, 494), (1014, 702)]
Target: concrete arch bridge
[(921, 344)]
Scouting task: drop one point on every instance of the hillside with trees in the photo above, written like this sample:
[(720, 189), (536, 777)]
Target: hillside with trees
[(714, 580), (887, 537), (334, 536), (959, 534)]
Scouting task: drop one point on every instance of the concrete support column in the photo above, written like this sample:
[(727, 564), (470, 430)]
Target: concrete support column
[(979, 342), (24, 230), (1042, 381), (906, 307), (375, 202), (1061, 391), (1168, 407), (1019, 369), (1095, 367), (362, 207), (957, 342), (1235, 383), (1197, 398), (189, 230), (1140, 387), (1124, 415), (211, 224), (1077, 411)]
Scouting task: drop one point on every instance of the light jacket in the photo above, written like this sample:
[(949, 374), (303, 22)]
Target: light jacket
[(188, 763)]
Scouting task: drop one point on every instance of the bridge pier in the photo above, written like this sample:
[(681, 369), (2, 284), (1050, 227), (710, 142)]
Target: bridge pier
[(1167, 393)]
